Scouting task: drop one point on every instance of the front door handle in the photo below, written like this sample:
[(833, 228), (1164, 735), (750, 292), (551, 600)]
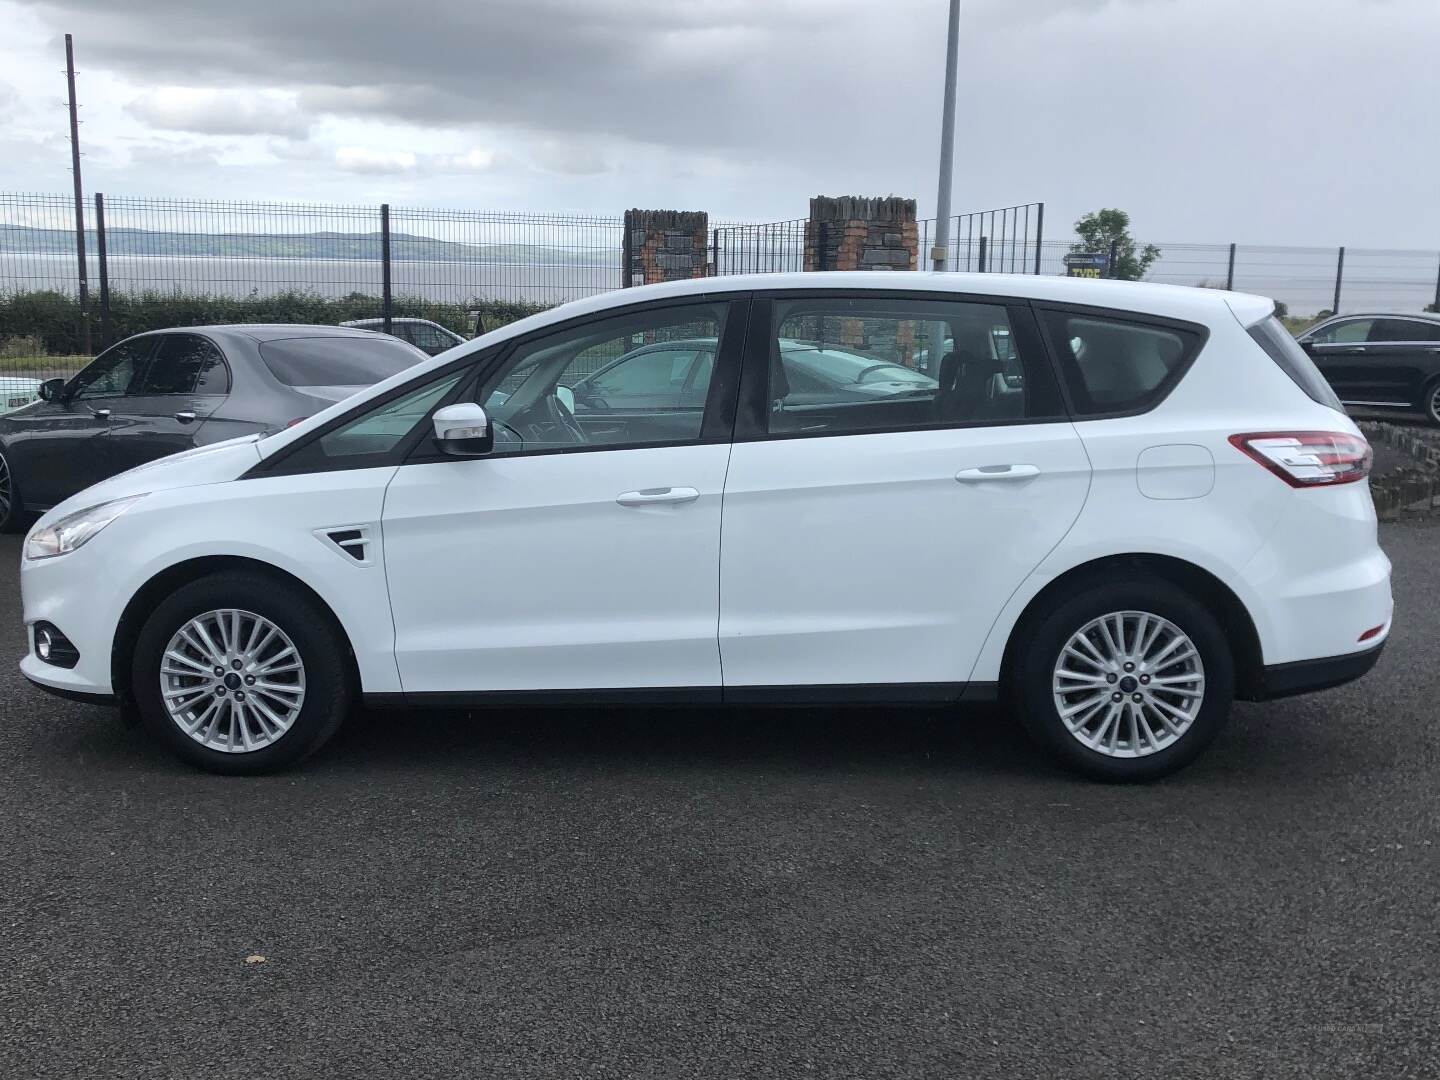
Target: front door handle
[(101, 414), (186, 417), (990, 473), (658, 496)]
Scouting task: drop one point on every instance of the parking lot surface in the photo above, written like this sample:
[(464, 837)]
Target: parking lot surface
[(673, 893)]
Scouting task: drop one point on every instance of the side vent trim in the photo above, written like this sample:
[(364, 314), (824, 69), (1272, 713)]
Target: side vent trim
[(353, 542)]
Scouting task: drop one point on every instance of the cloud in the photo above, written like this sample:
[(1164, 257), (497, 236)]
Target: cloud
[(221, 112), (356, 159)]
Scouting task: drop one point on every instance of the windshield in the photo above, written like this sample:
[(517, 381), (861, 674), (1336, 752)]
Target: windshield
[(337, 361)]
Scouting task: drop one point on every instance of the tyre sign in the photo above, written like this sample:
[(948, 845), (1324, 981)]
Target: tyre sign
[(1088, 264)]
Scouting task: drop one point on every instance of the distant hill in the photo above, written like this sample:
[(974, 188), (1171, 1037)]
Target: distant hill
[(24, 240)]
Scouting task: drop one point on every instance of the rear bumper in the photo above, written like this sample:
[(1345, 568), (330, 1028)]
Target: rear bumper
[(1307, 676)]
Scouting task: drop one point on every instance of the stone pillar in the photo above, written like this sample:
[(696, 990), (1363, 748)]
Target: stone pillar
[(665, 245), (852, 233)]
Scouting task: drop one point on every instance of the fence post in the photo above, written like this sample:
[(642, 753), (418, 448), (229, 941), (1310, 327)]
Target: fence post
[(1437, 290), (980, 258), (1114, 258), (1039, 235), (104, 271), (1339, 277), (714, 252), (385, 297), (1230, 271)]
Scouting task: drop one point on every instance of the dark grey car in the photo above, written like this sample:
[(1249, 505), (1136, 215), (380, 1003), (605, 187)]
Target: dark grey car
[(1384, 361), (170, 390)]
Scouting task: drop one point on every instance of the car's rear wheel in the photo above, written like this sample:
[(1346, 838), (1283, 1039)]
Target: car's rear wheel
[(1126, 681), (237, 676), (1432, 402), (11, 511)]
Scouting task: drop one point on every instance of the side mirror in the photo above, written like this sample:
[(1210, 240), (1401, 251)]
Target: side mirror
[(463, 430), (52, 389), (567, 398)]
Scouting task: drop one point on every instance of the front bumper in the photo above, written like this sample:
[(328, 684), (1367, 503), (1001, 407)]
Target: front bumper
[(1307, 676)]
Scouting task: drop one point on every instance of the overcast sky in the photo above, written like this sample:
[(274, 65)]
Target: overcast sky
[(1259, 121)]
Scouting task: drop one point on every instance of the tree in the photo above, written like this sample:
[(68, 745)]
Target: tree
[(1098, 230)]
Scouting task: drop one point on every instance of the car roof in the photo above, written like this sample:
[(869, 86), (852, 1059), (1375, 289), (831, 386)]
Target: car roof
[(393, 321), (1418, 316), (264, 331)]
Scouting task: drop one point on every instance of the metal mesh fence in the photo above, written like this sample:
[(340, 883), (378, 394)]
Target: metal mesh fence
[(173, 262)]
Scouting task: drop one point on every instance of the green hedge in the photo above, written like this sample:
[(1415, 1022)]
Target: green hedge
[(54, 317)]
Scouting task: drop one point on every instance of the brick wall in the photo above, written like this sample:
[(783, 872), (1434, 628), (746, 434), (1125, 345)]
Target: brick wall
[(854, 233), (665, 245)]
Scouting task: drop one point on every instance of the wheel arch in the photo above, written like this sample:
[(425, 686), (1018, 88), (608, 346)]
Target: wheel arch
[(166, 581), (1200, 584)]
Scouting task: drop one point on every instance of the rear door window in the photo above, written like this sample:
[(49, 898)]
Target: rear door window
[(1114, 365), (184, 364)]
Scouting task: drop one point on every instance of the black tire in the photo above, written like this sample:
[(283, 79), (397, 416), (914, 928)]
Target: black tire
[(328, 679), (1033, 676), (12, 514), (1430, 402)]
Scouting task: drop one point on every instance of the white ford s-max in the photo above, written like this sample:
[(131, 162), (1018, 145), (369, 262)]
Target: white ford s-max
[(1115, 506)]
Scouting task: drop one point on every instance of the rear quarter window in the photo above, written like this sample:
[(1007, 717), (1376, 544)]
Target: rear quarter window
[(1116, 366)]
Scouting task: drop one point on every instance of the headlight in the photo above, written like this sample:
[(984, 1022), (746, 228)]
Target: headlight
[(74, 530)]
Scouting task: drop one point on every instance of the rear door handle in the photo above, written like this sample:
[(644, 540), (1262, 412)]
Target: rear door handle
[(658, 496), (101, 414), (990, 473), (185, 417)]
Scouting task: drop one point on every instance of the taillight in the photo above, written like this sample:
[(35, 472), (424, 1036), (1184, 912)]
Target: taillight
[(1308, 458)]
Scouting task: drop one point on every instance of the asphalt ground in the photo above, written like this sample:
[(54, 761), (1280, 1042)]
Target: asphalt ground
[(678, 893)]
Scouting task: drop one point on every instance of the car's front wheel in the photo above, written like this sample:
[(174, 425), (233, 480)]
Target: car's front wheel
[(238, 674), (11, 511), (1126, 681)]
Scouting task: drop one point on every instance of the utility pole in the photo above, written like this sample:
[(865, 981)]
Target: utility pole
[(79, 199), (940, 252)]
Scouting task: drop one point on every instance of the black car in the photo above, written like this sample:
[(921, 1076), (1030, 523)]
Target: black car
[(430, 337), (170, 390), (1380, 361)]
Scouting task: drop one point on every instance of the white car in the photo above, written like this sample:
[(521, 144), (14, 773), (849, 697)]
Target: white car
[(1163, 509), (17, 391)]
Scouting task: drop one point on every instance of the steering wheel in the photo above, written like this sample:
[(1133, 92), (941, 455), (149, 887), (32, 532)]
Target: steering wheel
[(562, 417)]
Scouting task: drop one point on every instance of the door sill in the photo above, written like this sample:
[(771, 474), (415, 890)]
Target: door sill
[(824, 694)]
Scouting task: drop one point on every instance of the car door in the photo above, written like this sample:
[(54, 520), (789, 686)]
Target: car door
[(566, 559), (1405, 354), (63, 446), (1341, 351), (184, 381), (873, 542)]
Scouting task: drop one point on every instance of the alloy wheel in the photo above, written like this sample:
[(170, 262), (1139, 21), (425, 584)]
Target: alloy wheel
[(1128, 684), (1433, 405), (7, 489), (232, 680)]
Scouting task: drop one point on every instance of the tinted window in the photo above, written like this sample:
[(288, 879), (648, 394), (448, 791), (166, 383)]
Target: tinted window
[(648, 374), (1354, 331), (1270, 334), (530, 413), (113, 370), (337, 361), (432, 338), (840, 366), (1112, 365), (181, 363), (1404, 330)]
